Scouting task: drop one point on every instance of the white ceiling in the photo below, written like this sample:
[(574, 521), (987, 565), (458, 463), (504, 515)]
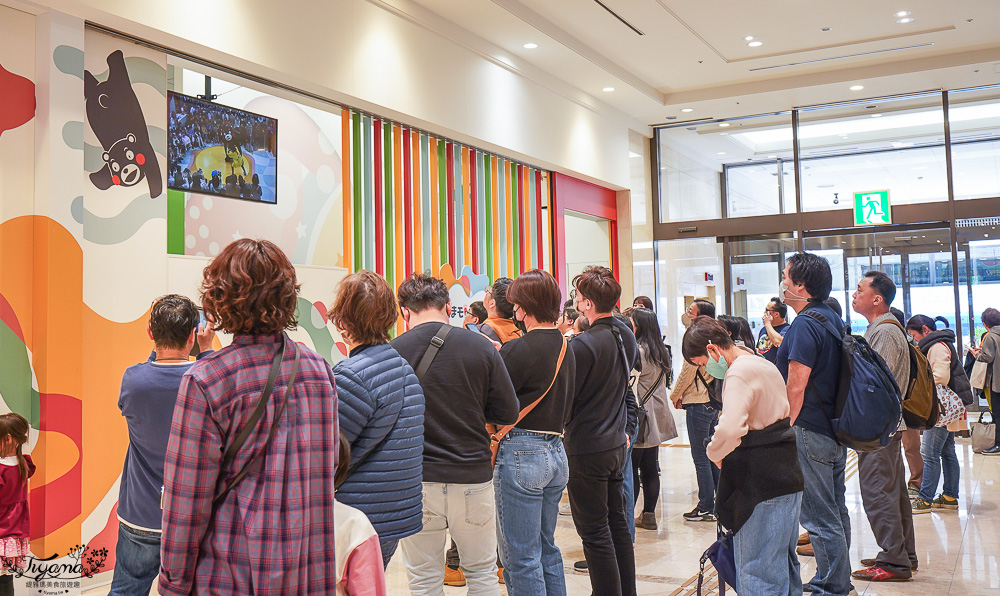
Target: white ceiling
[(693, 54)]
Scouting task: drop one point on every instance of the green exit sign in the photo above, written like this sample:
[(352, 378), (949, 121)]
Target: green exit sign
[(872, 208)]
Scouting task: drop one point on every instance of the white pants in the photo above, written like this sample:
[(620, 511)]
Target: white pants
[(468, 511)]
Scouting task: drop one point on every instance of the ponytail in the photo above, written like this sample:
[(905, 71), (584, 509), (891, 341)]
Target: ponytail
[(947, 325), (16, 427)]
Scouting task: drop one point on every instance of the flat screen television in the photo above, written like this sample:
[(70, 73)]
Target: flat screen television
[(218, 150)]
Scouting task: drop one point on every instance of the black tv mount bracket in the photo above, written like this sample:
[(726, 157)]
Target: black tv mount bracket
[(208, 96)]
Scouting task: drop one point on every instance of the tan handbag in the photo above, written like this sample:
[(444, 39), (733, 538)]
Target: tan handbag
[(978, 377), (983, 433), (502, 432)]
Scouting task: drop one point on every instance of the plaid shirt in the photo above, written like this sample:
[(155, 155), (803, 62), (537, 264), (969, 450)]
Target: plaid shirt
[(274, 532)]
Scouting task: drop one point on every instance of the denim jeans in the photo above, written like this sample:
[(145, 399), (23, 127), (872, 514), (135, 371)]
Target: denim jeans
[(938, 451), (138, 561), (824, 511), (764, 548), (629, 478), (468, 512), (701, 420), (529, 478), (388, 549)]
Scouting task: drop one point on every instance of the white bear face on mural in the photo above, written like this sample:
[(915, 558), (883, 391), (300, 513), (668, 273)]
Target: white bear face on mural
[(124, 162)]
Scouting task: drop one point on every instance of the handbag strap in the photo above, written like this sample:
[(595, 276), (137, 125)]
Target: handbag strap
[(503, 430), (255, 418), (652, 389), (436, 342)]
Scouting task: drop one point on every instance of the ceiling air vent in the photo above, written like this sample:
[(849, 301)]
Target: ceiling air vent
[(619, 17)]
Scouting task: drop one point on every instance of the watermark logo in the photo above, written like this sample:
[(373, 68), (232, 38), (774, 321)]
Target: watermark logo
[(83, 561)]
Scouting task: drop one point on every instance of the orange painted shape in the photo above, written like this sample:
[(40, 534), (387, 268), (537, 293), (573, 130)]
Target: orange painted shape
[(417, 198), (346, 189), (466, 207), (435, 228)]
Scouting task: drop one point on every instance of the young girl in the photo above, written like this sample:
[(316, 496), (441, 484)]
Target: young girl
[(15, 469), (359, 556)]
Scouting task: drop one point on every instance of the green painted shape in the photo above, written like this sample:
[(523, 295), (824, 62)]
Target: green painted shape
[(357, 187), (175, 222), (443, 201), (514, 227), (389, 225), (321, 338), (15, 377), (69, 60), (488, 213), (872, 208), (369, 199)]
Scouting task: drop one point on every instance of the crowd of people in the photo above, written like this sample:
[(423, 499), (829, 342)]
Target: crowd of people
[(247, 465)]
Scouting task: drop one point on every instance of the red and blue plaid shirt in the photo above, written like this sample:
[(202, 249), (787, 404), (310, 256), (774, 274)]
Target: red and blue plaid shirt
[(274, 532)]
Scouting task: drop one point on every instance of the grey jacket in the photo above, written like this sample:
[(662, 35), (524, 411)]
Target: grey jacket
[(659, 409), (991, 347)]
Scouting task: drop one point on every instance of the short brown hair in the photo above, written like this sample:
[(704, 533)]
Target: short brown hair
[(991, 317), (537, 293), (598, 284), (250, 289), (421, 291), (171, 321), (365, 308)]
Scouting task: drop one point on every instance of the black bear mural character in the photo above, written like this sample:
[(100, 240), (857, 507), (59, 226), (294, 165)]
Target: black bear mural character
[(116, 118)]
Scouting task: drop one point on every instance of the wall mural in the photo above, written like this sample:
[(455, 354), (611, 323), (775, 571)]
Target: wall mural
[(17, 100)]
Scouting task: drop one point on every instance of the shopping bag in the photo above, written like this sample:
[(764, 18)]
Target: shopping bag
[(978, 377), (950, 405), (983, 433)]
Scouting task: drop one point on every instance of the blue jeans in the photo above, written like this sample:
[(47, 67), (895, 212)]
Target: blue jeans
[(388, 547), (938, 451), (764, 548), (629, 491), (824, 511), (701, 420), (138, 562), (530, 475)]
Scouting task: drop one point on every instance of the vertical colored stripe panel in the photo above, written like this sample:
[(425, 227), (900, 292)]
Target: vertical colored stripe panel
[(358, 186), (524, 222), (442, 199), (427, 222), (397, 178), (369, 198), (458, 200), (345, 185), (468, 210), (450, 177), (542, 225), (387, 202), (488, 214), (379, 197), (408, 225), (496, 216), (175, 222), (434, 199), (511, 220), (501, 170), (530, 216), (418, 237)]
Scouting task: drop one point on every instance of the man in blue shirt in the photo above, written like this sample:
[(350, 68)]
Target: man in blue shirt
[(148, 394), (774, 329), (809, 359)]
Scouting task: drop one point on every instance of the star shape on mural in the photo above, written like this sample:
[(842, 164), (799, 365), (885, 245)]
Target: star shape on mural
[(237, 236), (301, 230)]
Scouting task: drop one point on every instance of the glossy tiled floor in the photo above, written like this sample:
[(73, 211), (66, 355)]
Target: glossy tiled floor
[(959, 551)]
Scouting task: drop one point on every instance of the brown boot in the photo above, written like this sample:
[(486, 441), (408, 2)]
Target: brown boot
[(803, 538), (806, 550), (453, 577)]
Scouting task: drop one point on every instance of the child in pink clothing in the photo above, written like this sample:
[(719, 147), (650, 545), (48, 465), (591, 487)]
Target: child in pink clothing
[(359, 556), (15, 469)]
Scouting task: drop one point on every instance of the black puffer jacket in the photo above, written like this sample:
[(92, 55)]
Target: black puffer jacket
[(958, 380)]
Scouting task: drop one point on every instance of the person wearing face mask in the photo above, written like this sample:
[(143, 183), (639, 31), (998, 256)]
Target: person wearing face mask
[(690, 393), (760, 489), (809, 361)]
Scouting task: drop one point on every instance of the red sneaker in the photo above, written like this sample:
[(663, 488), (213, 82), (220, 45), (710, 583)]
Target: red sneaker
[(877, 574)]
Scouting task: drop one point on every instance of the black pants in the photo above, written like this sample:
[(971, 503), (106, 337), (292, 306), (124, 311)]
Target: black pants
[(6, 585), (597, 499), (646, 468)]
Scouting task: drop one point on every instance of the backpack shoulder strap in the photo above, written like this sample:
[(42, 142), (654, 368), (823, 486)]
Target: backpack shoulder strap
[(436, 342), (819, 317)]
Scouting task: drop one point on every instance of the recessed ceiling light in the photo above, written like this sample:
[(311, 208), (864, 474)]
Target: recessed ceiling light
[(530, 46), (723, 124), (905, 21), (687, 109), (902, 13), (772, 157), (722, 153), (857, 87), (609, 88), (755, 44), (876, 115), (748, 38), (825, 29)]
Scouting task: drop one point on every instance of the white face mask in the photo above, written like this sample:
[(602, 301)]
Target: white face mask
[(785, 292)]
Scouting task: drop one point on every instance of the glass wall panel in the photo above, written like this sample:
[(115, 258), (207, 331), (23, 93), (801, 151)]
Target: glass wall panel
[(975, 142), (894, 145), (689, 178), (688, 269), (755, 274), (979, 259)]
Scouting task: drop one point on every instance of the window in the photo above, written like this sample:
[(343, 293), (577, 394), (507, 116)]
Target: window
[(975, 142)]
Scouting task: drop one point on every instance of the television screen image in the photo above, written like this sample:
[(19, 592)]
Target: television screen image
[(219, 150)]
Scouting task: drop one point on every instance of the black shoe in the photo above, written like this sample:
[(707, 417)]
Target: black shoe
[(807, 588), (581, 566), (699, 515), (994, 450)]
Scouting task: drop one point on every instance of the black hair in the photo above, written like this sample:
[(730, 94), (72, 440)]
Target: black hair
[(571, 313), (644, 301), (918, 322), (898, 314), (499, 293), (582, 323), (812, 271), (171, 321), (421, 291), (738, 328), (479, 311), (882, 284), (779, 307), (647, 335), (834, 305), (704, 331), (705, 308), (991, 317)]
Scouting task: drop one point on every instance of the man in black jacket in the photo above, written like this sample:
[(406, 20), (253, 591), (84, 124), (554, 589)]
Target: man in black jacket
[(598, 433)]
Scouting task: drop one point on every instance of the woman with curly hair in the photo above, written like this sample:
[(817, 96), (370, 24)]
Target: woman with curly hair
[(249, 482)]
